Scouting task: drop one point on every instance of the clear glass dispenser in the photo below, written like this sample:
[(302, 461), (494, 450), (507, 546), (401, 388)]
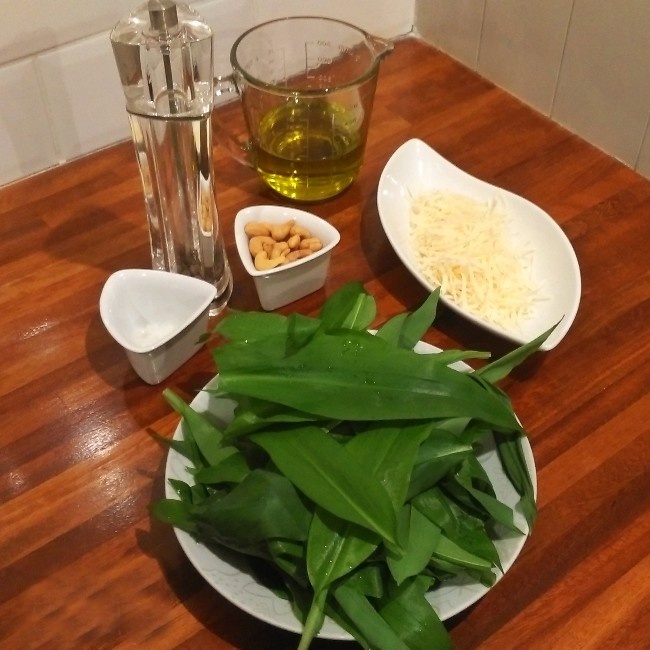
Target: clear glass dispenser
[(163, 52)]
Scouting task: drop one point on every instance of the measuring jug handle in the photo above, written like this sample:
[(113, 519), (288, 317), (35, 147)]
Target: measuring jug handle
[(239, 149)]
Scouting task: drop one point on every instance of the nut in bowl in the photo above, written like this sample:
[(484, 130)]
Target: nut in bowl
[(285, 250)]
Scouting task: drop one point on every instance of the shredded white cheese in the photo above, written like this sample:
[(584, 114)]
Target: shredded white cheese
[(462, 245)]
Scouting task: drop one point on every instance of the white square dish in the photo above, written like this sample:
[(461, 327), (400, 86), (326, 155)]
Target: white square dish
[(281, 285), (157, 317)]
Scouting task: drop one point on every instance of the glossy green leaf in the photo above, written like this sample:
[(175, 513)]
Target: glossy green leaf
[(355, 376), (386, 452), (228, 466), (176, 513), (500, 368), (250, 326), (494, 508), (420, 543), (439, 455), (372, 628), (514, 465), (264, 505), (389, 451), (412, 618), (331, 477), (335, 547), (204, 433), (405, 330), (351, 307)]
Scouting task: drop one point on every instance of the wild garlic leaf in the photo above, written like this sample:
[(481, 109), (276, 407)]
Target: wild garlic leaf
[(366, 621), (438, 455), (421, 540), (501, 368), (355, 376), (335, 547), (419, 321), (198, 429), (250, 326), (412, 618), (351, 307), (228, 466), (263, 506), (331, 477)]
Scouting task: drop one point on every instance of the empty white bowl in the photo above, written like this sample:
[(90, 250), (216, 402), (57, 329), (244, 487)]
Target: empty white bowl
[(157, 317), (284, 284)]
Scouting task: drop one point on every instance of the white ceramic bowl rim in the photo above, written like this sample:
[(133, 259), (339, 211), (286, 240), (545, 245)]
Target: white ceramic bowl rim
[(200, 293)]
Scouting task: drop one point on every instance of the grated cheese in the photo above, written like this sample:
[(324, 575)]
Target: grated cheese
[(461, 245)]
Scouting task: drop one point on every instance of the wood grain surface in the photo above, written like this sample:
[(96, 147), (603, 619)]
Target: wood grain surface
[(82, 565)]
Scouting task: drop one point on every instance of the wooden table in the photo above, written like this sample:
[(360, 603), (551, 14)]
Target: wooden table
[(82, 565)]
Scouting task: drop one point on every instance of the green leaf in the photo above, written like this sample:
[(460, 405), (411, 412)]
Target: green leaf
[(335, 547), (251, 326), (264, 505), (351, 307), (499, 511), (174, 512), (205, 435), (355, 376), (388, 451), (289, 556), (418, 322), (439, 455), (391, 330), (372, 628), (412, 618), (514, 465), (502, 367), (182, 489), (466, 531), (446, 549), (330, 476), (405, 330), (252, 414), (421, 541), (229, 466)]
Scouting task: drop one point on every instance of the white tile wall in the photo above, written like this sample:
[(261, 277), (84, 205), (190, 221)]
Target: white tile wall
[(584, 63), (25, 137), (83, 95), (59, 89), (643, 164), (603, 91), (386, 18), (30, 26), (453, 27), (521, 47)]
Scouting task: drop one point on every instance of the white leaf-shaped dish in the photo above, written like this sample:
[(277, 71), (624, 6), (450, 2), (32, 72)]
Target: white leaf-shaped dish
[(415, 168)]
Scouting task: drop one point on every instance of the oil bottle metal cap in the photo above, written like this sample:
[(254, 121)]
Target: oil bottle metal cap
[(163, 15)]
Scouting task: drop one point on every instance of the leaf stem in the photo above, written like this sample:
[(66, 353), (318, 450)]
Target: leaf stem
[(314, 620)]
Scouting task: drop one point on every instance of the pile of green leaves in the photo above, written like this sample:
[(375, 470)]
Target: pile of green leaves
[(350, 466)]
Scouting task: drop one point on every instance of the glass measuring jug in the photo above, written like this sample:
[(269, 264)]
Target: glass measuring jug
[(307, 86)]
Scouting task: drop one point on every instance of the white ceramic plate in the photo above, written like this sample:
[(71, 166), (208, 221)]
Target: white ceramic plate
[(228, 573), (415, 168)]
